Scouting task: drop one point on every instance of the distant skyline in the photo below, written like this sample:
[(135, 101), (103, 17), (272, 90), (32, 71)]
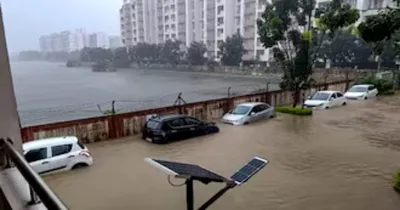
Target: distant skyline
[(25, 21)]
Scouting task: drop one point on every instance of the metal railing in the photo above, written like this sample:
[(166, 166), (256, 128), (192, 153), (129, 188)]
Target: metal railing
[(38, 188)]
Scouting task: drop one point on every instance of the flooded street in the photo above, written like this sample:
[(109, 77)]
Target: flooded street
[(338, 159)]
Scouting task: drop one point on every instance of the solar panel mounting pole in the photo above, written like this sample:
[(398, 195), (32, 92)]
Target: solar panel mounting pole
[(189, 194), (220, 193)]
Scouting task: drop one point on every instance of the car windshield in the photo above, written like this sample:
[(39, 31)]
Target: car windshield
[(240, 110), (152, 124), (357, 89), (320, 96)]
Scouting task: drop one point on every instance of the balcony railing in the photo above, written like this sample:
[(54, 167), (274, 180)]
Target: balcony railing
[(39, 191)]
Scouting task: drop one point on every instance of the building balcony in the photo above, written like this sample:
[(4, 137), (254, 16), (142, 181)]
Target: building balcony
[(21, 187)]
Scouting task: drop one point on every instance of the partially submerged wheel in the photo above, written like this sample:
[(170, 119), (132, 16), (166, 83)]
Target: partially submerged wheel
[(344, 104), (79, 165)]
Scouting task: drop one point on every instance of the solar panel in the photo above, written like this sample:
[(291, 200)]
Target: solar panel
[(186, 170), (249, 170)]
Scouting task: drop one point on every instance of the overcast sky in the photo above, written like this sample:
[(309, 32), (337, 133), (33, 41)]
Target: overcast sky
[(26, 20)]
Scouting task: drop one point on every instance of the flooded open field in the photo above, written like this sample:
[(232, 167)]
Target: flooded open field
[(51, 92), (338, 159)]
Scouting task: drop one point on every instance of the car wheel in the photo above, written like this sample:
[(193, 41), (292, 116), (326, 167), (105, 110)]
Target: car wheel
[(246, 123), (327, 107), (79, 165), (344, 104), (365, 98)]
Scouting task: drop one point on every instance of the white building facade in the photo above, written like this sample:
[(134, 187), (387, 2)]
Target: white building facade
[(207, 21), (99, 40), (115, 42), (65, 41)]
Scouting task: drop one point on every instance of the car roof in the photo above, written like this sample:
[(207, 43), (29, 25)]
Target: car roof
[(251, 104), (328, 91), (362, 85), (49, 142), (166, 117)]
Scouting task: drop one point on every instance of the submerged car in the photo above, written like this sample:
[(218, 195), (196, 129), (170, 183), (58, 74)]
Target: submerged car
[(56, 154), (166, 128), (246, 113), (361, 92), (325, 100)]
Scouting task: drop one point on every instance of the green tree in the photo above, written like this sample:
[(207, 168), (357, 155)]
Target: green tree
[(347, 50), (170, 52), (196, 52), (121, 57), (287, 26), (232, 50), (96, 54), (378, 30)]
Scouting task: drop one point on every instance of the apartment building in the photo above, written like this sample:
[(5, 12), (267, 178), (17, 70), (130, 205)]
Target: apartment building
[(98, 39), (64, 41), (207, 21), (155, 21), (115, 42)]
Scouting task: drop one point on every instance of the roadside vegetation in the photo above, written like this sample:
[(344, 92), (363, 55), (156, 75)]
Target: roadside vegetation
[(296, 47), (384, 87), (396, 181), (294, 110)]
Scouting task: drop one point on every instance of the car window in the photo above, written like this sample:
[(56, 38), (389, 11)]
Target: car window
[(256, 109), (36, 154), (339, 95), (152, 124), (81, 145), (176, 122), (264, 107), (357, 89), (240, 110), (371, 87), (320, 96), (333, 95), (61, 149), (192, 121)]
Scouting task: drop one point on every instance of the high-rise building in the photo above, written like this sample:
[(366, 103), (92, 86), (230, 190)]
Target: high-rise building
[(207, 21), (99, 40), (115, 42), (65, 41)]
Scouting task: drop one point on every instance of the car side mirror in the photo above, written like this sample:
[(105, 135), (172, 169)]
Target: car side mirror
[(252, 113), (331, 99), (309, 97)]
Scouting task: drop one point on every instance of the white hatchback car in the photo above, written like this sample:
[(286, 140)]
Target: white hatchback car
[(56, 154), (246, 113), (325, 100), (361, 92)]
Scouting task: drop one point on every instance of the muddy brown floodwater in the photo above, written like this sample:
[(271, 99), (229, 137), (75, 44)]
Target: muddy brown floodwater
[(342, 158)]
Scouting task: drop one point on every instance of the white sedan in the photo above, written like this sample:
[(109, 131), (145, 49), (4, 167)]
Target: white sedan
[(246, 113), (361, 92), (325, 100)]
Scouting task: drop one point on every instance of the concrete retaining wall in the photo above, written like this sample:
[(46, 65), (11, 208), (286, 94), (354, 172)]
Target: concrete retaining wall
[(130, 124)]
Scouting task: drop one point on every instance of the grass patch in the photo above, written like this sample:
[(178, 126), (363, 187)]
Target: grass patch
[(396, 181), (294, 111)]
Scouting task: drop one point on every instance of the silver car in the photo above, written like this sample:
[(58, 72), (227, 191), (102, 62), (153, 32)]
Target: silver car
[(246, 113)]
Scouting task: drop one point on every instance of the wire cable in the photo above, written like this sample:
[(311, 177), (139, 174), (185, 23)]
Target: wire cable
[(175, 185)]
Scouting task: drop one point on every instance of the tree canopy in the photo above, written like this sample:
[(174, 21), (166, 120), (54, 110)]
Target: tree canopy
[(196, 52), (232, 50), (295, 30)]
